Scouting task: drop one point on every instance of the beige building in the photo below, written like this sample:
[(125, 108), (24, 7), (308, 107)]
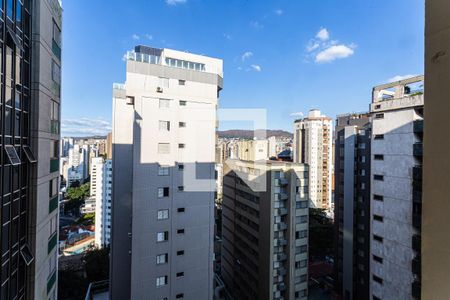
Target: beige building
[(252, 150), (265, 230), (436, 199), (313, 146)]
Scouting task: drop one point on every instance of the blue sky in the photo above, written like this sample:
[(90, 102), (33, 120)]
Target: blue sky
[(285, 56)]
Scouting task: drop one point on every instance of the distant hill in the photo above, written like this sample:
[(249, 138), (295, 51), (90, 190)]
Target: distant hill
[(250, 134)]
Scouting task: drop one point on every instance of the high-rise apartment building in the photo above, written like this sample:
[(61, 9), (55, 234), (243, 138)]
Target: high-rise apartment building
[(36, 111), (436, 204), (396, 189), (164, 136), (313, 146), (265, 230), (352, 205), (253, 150), (101, 189)]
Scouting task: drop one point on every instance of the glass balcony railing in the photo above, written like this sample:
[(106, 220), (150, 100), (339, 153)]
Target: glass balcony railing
[(56, 50), (54, 126), (54, 165), (142, 57), (51, 282), (53, 204), (52, 242)]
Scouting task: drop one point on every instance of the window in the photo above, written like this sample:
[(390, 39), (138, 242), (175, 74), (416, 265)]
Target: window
[(361, 146), (378, 218), (301, 264), (181, 82), (163, 82), (164, 126), (378, 259), (56, 34), (180, 167), (163, 148), (181, 209), (53, 187), (180, 231), (183, 102), (301, 234), (54, 149), (179, 296), (379, 116), (378, 177), (12, 155), (377, 279), (180, 188), (56, 73), (377, 238), (164, 103), (163, 171), (378, 197), (182, 124), (161, 281), (301, 204), (163, 192), (378, 137), (162, 236), (163, 214), (301, 219), (10, 9), (378, 157), (181, 146), (180, 274), (303, 249), (180, 252), (162, 259)]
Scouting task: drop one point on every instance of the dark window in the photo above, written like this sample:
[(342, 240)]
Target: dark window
[(378, 259), (379, 157), (378, 218), (377, 279), (379, 137), (12, 155), (180, 188), (180, 167), (180, 274), (179, 296), (181, 124), (183, 103), (181, 146), (378, 238), (181, 252), (378, 197), (181, 209), (379, 116), (182, 82), (180, 231), (378, 177)]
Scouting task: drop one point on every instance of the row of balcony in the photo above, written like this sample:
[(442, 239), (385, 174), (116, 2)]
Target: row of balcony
[(418, 126)]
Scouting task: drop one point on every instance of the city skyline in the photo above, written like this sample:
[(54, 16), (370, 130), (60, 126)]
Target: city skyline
[(290, 85)]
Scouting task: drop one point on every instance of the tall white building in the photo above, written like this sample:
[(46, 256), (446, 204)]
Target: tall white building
[(164, 131), (313, 146), (101, 189), (396, 189)]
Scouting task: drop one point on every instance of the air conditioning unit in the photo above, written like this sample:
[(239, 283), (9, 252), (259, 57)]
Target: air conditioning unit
[(159, 89)]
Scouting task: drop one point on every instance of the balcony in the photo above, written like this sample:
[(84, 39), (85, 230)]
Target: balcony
[(284, 196), (418, 150), (56, 50), (54, 165), (279, 226), (51, 282), (52, 242), (280, 212), (416, 266), (416, 289), (417, 221), (418, 126), (284, 182), (279, 257), (54, 126), (53, 204), (417, 242), (279, 242)]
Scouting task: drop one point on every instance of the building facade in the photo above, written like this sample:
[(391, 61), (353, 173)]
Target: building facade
[(396, 189), (102, 170), (164, 136), (264, 252), (313, 146), (352, 205)]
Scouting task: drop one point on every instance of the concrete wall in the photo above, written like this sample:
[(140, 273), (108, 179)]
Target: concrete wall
[(436, 204)]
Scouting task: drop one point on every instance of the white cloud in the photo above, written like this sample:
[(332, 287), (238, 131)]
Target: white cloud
[(256, 25), (175, 2), (323, 34), (278, 12), (135, 37), (401, 77), (297, 114), (257, 68), (85, 127), (149, 36), (312, 46), (246, 55), (334, 52)]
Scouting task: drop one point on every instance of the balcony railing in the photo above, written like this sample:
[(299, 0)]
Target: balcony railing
[(54, 165), (51, 282), (418, 149), (56, 49), (53, 204), (418, 126), (52, 242), (54, 126)]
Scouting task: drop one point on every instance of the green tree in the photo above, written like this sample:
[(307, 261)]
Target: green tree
[(321, 233), (76, 196)]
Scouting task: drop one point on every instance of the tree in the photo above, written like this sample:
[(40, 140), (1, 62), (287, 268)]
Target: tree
[(76, 196), (97, 264), (321, 230)]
